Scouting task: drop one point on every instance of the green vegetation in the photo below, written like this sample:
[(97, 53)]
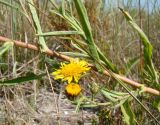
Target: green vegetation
[(118, 42)]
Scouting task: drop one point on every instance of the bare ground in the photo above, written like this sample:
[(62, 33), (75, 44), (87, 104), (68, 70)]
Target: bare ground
[(43, 111)]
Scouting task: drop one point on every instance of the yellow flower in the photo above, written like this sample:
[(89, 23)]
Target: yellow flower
[(73, 89), (72, 71)]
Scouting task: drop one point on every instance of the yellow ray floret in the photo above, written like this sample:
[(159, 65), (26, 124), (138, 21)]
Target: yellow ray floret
[(71, 71), (73, 89)]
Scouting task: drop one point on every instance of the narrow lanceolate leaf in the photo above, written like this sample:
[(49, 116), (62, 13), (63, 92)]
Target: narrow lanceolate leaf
[(26, 78), (5, 47), (60, 33), (75, 54), (113, 95), (103, 59), (84, 21), (83, 27), (41, 42), (147, 47), (128, 115)]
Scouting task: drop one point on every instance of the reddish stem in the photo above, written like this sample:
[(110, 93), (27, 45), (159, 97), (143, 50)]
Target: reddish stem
[(67, 58)]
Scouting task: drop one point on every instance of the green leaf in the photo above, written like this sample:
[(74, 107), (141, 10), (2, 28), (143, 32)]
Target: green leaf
[(76, 45), (84, 21), (75, 54), (41, 41), (5, 47), (59, 33), (147, 51), (129, 116), (54, 3), (107, 62), (103, 59), (83, 27), (113, 95), (28, 77)]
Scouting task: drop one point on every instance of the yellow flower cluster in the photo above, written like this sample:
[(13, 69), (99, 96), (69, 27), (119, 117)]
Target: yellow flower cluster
[(71, 73)]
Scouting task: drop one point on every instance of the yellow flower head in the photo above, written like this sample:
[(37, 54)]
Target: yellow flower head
[(73, 89), (72, 71)]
